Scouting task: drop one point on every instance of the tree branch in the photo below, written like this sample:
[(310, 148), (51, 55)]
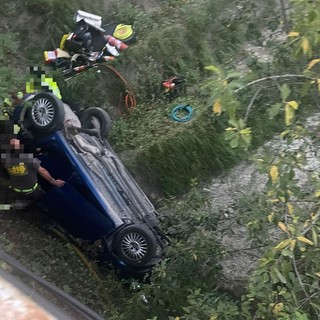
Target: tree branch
[(277, 84), (275, 77), (307, 299), (299, 278), (316, 218), (284, 16), (251, 104)]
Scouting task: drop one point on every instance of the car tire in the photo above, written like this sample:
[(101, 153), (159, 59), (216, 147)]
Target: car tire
[(46, 114), (136, 245), (101, 115)]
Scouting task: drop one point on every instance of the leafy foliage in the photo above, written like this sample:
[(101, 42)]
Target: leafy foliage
[(285, 285), (185, 283)]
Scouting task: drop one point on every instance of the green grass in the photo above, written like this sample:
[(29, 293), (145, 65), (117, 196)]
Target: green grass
[(174, 154)]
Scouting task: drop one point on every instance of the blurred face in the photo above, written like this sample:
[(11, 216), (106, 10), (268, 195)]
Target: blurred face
[(15, 144)]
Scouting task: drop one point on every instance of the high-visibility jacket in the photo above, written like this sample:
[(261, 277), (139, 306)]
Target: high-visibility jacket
[(47, 84)]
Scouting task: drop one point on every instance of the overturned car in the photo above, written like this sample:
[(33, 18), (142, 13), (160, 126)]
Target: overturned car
[(100, 200)]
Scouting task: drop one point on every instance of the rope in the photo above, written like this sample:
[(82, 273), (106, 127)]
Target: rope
[(130, 101), (185, 108), (157, 100), (80, 254)]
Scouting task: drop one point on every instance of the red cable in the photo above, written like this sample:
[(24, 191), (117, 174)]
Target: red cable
[(130, 99)]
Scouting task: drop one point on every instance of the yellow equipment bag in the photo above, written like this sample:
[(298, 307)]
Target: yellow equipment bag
[(123, 31), (63, 40)]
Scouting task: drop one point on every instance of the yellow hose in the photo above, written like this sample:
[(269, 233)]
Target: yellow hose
[(81, 255)]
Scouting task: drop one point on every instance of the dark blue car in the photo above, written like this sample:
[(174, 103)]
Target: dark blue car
[(100, 200)]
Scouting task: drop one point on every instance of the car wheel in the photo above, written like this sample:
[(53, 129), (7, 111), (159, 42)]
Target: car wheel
[(46, 114), (101, 115), (136, 245)]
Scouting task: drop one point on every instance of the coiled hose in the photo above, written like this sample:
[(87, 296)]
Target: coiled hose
[(187, 109)]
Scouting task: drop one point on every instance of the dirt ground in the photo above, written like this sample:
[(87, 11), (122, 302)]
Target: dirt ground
[(24, 237)]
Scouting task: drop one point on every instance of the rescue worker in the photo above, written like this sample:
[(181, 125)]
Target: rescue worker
[(22, 169), (6, 133), (42, 81)]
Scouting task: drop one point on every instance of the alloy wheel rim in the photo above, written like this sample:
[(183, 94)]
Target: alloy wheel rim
[(42, 112), (134, 246)]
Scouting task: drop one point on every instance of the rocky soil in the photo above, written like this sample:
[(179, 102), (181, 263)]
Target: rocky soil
[(245, 180)]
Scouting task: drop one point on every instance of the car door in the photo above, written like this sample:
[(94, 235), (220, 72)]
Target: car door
[(73, 205)]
